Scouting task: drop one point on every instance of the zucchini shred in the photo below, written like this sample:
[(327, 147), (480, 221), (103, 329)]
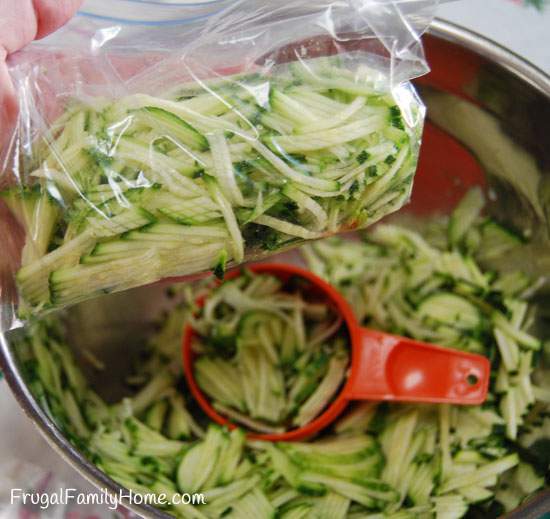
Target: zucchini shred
[(378, 460)]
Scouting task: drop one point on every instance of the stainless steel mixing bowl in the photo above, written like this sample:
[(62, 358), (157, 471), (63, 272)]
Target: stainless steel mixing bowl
[(488, 123)]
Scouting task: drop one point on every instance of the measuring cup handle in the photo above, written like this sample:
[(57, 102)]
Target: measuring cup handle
[(389, 367)]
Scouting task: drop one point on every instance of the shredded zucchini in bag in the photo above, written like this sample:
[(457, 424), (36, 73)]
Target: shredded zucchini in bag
[(123, 192)]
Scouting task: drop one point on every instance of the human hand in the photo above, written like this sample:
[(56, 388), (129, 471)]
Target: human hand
[(22, 21)]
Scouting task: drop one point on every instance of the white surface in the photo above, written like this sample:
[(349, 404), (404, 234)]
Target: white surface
[(28, 462), (521, 28)]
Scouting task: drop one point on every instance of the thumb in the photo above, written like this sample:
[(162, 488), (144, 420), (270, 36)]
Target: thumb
[(21, 21)]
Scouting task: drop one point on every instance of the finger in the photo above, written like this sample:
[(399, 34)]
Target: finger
[(22, 21), (17, 24), (8, 101), (52, 14)]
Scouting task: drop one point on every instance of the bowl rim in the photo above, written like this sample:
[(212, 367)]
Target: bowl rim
[(494, 51), (439, 28)]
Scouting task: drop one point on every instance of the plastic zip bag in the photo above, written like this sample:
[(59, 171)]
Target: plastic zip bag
[(174, 143)]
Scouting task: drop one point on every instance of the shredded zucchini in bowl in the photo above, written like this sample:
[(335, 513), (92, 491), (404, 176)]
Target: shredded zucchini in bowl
[(379, 460)]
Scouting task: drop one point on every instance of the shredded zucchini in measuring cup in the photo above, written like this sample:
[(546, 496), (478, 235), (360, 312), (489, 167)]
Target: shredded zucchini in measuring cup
[(128, 191), (270, 357), (379, 460)]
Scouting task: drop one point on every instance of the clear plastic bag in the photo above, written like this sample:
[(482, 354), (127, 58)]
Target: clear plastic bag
[(169, 140)]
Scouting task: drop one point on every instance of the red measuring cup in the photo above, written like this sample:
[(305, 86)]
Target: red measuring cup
[(383, 366)]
